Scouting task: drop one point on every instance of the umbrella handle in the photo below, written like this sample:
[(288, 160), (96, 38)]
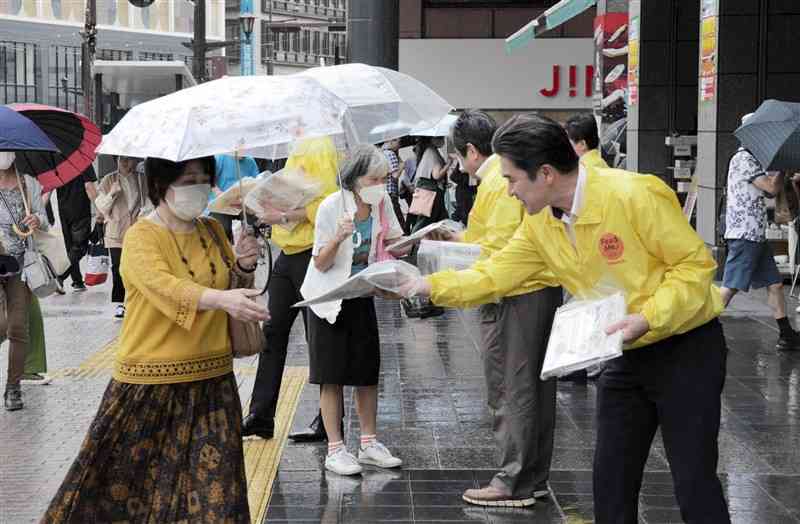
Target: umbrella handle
[(22, 234)]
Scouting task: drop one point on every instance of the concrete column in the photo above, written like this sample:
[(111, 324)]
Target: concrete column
[(373, 32)]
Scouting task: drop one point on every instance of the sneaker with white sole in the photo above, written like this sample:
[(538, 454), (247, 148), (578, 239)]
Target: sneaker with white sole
[(38, 379), (376, 454), (119, 313), (342, 463)]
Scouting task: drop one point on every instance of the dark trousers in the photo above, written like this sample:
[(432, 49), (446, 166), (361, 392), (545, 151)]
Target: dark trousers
[(118, 287), (17, 326), (675, 384), (284, 291), (76, 233)]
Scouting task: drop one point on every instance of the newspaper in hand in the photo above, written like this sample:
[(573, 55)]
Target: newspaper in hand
[(285, 190), (436, 255), (449, 226), (389, 276), (578, 338), (230, 202)]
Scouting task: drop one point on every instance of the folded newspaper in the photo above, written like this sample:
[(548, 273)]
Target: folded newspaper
[(578, 338), (389, 276), (443, 225), (230, 202), (436, 255), (284, 190)]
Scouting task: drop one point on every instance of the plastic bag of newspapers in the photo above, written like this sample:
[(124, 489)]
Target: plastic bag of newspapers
[(436, 255), (285, 190), (578, 338), (389, 276)]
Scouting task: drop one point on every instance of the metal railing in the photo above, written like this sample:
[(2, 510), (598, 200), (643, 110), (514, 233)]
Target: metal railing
[(19, 66), (305, 8)]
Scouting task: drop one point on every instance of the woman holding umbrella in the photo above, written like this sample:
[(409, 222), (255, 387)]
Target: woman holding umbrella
[(21, 210)]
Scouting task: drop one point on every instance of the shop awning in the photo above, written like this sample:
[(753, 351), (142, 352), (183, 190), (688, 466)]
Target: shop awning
[(139, 81), (560, 13)]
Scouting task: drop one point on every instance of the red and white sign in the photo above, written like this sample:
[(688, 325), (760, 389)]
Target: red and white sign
[(551, 73)]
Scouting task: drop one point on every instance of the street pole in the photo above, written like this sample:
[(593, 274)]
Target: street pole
[(88, 46), (270, 44), (199, 42)]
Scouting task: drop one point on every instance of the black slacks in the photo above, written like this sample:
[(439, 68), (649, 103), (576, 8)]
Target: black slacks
[(76, 231), (674, 384), (118, 287), (284, 291)]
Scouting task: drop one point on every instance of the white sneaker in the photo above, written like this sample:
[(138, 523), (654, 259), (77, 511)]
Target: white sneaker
[(342, 463), (119, 313), (376, 454)]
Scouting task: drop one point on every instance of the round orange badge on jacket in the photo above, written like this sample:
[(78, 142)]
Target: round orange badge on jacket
[(611, 247)]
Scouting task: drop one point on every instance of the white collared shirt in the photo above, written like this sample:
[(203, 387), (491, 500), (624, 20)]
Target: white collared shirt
[(577, 204)]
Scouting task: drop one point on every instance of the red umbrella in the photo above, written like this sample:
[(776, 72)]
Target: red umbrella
[(76, 137)]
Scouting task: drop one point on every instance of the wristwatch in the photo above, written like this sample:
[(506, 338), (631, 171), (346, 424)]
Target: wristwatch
[(284, 219)]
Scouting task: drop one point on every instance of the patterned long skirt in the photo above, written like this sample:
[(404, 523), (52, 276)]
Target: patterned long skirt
[(162, 454)]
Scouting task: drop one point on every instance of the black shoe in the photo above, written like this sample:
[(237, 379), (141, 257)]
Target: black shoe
[(789, 342), (575, 376), (78, 288), (13, 398), (315, 432), (254, 426)]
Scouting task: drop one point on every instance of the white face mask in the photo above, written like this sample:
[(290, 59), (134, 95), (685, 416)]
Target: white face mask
[(373, 195), (189, 202), (7, 159)]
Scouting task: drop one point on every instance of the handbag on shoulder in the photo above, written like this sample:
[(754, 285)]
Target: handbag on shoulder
[(247, 337)]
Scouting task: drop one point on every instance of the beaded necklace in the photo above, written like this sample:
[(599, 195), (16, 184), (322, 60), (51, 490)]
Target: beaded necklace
[(203, 243)]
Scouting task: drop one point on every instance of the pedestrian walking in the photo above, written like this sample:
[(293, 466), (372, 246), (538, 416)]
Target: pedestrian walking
[(17, 193), (122, 198), (514, 331), (165, 445), (430, 180), (586, 226), (75, 211), (750, 261), (343, 341), (318, 160)]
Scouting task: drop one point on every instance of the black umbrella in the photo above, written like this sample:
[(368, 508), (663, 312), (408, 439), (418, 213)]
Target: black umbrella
[(772, 135)]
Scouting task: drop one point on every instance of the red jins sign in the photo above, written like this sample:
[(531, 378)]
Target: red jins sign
[(573, 82)]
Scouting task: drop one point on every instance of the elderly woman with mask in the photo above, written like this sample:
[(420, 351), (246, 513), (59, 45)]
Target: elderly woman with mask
[(166, 445), (352, 227)]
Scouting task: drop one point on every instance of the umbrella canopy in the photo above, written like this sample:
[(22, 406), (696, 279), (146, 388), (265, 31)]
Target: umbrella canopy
[(76, 137), (383, 104), (440, 129), (772, 135), (254, 115), (18, 133)]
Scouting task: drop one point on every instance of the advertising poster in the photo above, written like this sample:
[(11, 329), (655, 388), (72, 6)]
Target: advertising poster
[(708, 58), (611, 38), (633, 63)]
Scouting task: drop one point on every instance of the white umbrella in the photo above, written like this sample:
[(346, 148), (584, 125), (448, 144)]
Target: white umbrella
[(383, 104), (440, 129), (254, 115)]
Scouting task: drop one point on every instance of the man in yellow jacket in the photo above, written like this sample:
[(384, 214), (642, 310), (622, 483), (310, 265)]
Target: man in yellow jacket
[(586, 225), (514, 329), (585, 140), (318, 159)]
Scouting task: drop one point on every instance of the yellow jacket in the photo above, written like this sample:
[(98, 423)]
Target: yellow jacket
[(631, 231), (320, 160), (594, 159), (494, 218)]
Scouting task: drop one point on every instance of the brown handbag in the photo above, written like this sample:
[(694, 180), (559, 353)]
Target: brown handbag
[(247, 338)]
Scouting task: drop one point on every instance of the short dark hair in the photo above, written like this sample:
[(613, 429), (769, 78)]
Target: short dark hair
[(476, 128), (583, 127), (530, 141), (161, 173)]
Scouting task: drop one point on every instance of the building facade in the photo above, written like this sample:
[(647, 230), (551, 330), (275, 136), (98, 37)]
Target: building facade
[(40, 53), (292, 51)]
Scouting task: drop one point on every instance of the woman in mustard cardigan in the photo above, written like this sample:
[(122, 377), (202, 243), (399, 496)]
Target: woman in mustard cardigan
[(166, 444)]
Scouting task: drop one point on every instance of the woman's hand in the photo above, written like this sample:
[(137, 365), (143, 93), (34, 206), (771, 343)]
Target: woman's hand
[(240, 304), (415, 287), (31, 222), (247, 250), (346, 228)]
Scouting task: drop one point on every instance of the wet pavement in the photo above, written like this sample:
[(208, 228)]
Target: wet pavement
[(433, 415)]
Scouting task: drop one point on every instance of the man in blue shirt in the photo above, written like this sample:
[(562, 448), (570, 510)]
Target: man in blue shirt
[(226, 178)]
